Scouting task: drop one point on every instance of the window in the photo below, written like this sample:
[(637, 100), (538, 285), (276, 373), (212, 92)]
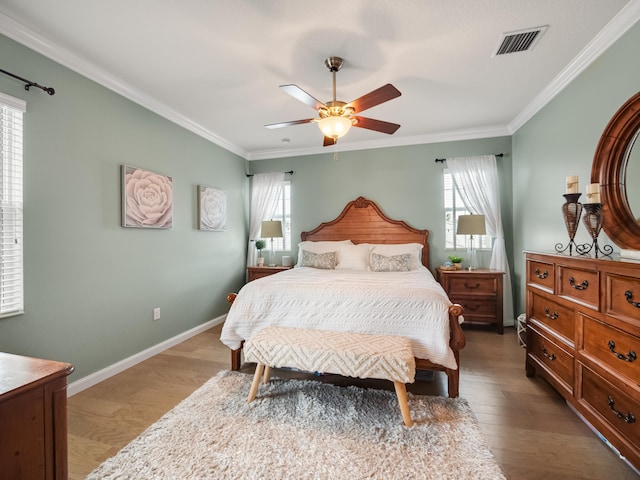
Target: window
[(11, 267), (454, 207), (283, 213)]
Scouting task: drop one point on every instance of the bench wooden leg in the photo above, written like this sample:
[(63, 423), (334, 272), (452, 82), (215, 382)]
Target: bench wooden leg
[(256, 382), (401, 392), (267, 374)]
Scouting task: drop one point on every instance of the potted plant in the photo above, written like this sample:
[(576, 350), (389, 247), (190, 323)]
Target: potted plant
[(260, 244), (456, 261)]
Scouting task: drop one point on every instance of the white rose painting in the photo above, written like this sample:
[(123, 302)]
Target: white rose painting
[(147, 199), (213, 208)]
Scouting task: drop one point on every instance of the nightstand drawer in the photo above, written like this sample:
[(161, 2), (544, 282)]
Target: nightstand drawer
[(476, 309), (254, 273), (478, 291), (472, 285)]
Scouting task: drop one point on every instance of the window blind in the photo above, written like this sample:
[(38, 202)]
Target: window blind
[(11, 209)]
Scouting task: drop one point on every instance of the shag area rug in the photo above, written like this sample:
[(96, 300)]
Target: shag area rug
[(305, 429)]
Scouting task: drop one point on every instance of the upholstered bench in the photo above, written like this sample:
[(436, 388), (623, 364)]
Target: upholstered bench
[(349, 354)]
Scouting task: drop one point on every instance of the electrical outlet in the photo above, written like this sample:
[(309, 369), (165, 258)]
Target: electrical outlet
[(156, 313)]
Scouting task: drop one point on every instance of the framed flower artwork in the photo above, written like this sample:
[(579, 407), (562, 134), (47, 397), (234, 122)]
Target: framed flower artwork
[(212, 209), (147, 198)]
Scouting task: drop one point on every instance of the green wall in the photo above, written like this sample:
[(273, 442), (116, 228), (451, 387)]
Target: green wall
[(559, 141), (91, 285), (406, 182)]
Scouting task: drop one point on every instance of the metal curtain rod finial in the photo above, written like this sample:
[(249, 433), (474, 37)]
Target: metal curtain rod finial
[(29, 83), (442, 160)]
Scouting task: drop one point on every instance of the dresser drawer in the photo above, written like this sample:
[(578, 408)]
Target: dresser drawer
[(619, 410), (623, 298), (553, 357), (471, 284), (579, 285), (558, 318), (541, 274), (611, 348)]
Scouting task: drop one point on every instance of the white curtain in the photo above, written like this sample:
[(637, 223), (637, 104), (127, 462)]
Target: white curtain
[(477, 181), (266, 189)]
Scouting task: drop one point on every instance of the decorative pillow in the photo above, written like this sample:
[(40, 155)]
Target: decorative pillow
[(320, 247), (389, 250), (395, 263), (325, 261), (354, 257)]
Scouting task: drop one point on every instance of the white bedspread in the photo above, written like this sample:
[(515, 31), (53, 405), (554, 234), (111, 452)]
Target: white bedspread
[(411, 304)]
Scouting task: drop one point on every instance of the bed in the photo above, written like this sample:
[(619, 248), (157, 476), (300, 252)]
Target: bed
[(380, 283)]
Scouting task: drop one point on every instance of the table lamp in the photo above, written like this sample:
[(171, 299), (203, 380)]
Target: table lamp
[(271, 229), (471, 225)]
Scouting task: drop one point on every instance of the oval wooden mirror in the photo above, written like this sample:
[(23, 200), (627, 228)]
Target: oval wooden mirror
[(614, 162)]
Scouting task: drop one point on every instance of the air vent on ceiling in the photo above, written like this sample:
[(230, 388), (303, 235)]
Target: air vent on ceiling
[(520, 41)]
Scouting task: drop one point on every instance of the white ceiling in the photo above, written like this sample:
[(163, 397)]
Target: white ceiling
[(214, 66)]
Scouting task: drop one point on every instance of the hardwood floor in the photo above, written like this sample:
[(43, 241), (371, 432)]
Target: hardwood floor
[(531, 431)]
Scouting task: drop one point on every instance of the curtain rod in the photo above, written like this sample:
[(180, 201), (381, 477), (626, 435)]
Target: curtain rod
[(290, 172), (29, 83), (442, 160)]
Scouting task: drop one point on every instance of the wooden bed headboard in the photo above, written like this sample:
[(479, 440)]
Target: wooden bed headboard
[(362, 221)]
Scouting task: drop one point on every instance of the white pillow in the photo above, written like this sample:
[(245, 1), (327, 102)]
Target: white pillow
[(354, 257), (390, 250), (320, 247)]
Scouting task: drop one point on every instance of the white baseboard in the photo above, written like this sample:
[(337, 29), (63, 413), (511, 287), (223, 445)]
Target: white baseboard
[(110, 371)]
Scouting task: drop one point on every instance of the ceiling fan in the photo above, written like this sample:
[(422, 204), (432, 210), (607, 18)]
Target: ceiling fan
[(337, 117)]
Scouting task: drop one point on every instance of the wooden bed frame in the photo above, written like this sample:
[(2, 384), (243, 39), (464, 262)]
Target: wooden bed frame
[(362, 221)]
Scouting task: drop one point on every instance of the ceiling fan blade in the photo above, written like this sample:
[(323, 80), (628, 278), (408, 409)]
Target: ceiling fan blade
[(288, 124), (299, 94), (328, 141), (376, 97), (377, 125)]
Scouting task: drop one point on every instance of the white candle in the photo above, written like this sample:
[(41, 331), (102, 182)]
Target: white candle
[(572, 184), (593, 193)]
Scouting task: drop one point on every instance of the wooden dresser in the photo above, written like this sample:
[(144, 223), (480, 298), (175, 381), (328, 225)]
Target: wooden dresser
[(583, 337), (478, 291), (33, 418)]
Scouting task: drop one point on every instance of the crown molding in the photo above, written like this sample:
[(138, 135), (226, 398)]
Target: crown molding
[(453, 136), (27, 37), (618, 26)]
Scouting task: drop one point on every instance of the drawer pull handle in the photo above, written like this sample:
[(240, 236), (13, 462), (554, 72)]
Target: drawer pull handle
[(629, 296), (477, 285), (548, 314), (542, 275), (551, 357), (582, 286), (630, 357), (628, 418)]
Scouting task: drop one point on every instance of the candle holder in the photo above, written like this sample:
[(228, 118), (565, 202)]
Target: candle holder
[(571, 211), (593, 220)]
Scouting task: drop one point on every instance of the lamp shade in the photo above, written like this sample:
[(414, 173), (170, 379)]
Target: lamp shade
[(335, 127), (471, 225), (271, 229)]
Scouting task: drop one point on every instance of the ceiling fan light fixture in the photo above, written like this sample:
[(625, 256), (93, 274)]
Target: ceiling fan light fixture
[(334, 127)]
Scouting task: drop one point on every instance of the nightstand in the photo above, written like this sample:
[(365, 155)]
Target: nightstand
[(253, 273), (478, 291)]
